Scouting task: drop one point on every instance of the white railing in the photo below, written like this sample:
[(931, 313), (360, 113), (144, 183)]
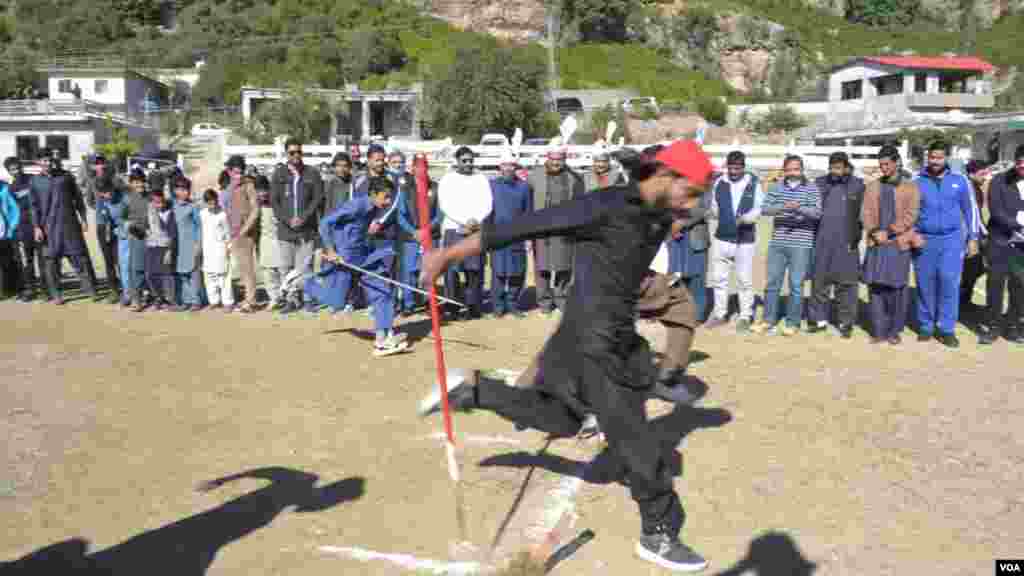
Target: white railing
[(440, 154)]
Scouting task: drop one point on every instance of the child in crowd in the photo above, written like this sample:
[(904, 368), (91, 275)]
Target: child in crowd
[(216, 265), (270, 254), (161, 240), (187, 274), (133, 214), (346, 233)]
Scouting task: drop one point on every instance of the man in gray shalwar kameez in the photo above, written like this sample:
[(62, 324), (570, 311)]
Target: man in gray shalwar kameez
[(553, 256)]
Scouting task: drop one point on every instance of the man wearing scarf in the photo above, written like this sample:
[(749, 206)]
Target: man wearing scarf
[(837, 247), (889, 213), (553, 257), (946, 207), (1006, 252), (512, 198), (602, 175), (464, 198), (60, 219)]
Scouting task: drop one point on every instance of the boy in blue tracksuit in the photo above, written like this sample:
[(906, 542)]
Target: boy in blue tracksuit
[(347, 234), (946, 219), (10, 215)]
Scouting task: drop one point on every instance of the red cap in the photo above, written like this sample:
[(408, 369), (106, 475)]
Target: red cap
[(687, 158)]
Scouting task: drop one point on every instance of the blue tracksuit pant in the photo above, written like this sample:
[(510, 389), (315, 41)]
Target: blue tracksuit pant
[(331, 285), (131, 280), (937, 268)]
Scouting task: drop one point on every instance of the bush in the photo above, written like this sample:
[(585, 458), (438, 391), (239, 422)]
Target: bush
[(713, 110), (779, 119)]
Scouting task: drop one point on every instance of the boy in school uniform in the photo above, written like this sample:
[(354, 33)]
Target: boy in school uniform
[(161, 240), (187, 273), (347, 235), (216, 235)]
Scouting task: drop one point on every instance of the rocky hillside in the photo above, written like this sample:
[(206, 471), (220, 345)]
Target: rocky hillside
[(758, 47)]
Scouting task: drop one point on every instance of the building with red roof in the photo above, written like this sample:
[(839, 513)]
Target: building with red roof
[(870, 97)]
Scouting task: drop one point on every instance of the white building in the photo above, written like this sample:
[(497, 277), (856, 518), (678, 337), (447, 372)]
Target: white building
[(359, 114), (873, 98), (74, 118)]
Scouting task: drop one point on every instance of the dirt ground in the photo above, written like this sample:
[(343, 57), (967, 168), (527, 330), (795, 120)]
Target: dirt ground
[(808, 454)]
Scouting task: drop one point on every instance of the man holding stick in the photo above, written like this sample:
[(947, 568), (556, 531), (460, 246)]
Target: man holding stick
[(597, 362)]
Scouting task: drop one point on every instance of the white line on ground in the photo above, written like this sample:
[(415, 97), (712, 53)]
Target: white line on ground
[(472, 439), (408, 562)]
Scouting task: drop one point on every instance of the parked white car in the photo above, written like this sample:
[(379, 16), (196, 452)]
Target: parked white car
[(209, 129), (636, 104)]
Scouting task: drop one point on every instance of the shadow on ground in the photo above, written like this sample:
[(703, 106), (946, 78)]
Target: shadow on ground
[(669, 430), (772, 554), (188, 547)]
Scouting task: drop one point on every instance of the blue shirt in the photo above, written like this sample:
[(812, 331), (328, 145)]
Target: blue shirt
[(945, 204), (345, 229)]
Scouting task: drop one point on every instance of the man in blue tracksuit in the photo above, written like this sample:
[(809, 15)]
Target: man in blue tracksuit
[(347, 234), (946, 220)]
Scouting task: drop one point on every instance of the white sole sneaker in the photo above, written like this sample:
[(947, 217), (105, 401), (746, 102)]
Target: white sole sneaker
[(456, 377), (646, 554), (391, 350)]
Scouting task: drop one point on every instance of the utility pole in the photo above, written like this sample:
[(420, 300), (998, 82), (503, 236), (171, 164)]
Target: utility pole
[(553, 18)]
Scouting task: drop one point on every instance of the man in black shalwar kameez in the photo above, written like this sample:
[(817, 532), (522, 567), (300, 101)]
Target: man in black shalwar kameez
[(598, 363), (837, 247), (60, 218)]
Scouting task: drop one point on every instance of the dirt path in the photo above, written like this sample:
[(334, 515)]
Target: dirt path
[(857, 458)]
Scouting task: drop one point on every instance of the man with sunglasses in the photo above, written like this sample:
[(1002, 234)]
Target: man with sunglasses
[(297, 196)]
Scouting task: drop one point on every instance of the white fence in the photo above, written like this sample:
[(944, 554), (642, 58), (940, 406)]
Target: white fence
[(440, 154)]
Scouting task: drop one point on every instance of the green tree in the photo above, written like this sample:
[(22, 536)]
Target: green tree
[(488, 88), (714, 110), (779, 118), (301, 114), (883, 13), (597, 20), (120, 146)]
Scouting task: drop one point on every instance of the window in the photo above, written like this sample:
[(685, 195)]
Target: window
[(892, 84), (100, 86), (920, 83), (64, 86), (852, 90), (28, 148), (59, 142)]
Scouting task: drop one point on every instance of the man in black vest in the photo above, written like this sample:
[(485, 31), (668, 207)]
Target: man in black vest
[(736, 199), (837, 247)]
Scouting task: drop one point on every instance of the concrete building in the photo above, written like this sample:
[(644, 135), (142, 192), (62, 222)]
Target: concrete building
[(872, 98), (73, 128), (358, 114), (74, 118), (997, 135)]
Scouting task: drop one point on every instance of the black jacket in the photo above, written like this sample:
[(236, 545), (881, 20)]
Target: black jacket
[(1004, 201), (855, 198), (21, 189), (308, 205)]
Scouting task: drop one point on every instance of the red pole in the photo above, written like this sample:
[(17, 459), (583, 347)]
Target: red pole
[(422, 187)]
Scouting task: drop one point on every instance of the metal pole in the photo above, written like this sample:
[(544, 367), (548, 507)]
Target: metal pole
[(394, 282)]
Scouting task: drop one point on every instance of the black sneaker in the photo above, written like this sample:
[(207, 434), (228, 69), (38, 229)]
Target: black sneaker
[(669, 553), (986, 336), (948, 340), (461, 394), (924, 337), (1013, 334), (846, 332), (590, 427), (674, 391)]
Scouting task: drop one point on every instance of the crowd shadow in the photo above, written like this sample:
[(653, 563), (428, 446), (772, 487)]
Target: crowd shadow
[(771, 554), (189, 546)]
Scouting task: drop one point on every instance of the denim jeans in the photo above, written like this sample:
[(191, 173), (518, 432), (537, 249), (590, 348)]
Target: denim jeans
[(186, 287), (798, 262)]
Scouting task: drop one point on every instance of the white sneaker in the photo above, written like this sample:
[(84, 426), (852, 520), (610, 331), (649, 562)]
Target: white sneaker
[(393, 344), (456, 377)]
